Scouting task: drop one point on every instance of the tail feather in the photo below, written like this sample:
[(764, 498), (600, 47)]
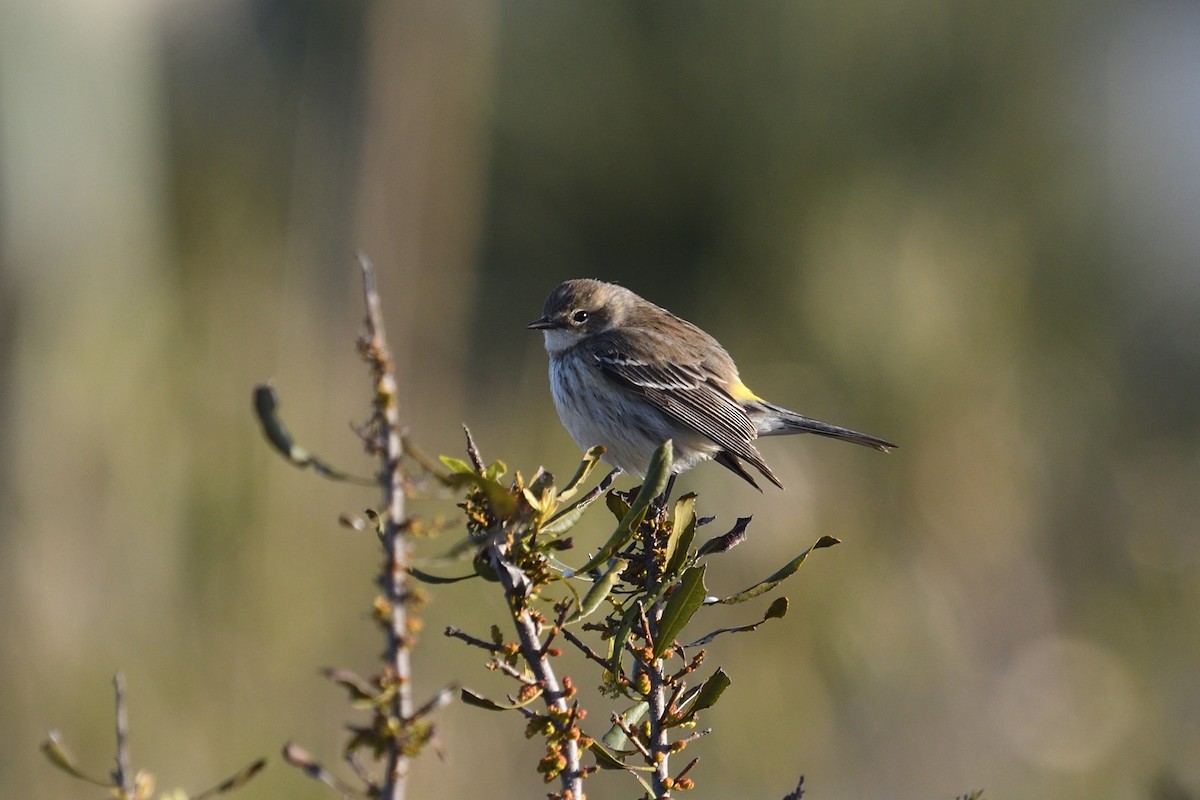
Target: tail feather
[(773, 420), (732, 463)]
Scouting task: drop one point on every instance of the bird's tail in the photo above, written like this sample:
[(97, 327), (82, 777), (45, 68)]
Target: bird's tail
[(773, 420)]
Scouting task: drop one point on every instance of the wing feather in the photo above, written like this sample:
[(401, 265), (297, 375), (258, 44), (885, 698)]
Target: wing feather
[(691, 396)]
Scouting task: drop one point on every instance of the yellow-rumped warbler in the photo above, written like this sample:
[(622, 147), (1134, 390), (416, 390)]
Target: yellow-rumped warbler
[(629, 375)]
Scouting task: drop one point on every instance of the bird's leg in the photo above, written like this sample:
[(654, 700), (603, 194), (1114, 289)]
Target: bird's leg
[(659, 503)]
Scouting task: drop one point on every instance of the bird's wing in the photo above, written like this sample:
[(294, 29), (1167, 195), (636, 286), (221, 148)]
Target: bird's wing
[(690, 395)]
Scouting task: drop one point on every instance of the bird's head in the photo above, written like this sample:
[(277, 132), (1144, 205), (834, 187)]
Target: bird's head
[(580, 308)]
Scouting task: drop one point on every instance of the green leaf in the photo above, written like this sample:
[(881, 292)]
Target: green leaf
[(680, 607), (611, 750), (616, 739), (617, 505), (727, 541), (235, 781), (52, 748), (710, 691), (479, 701), (780, 575), (540, 493), (502, 501), (425, 577), (776, 610), (358, 689), (609, 759), (266, 408), (616, 645), (457, 465), (590, 459), (656, 481), (605, 758), (566, 519), (601, 588), (683, 531)]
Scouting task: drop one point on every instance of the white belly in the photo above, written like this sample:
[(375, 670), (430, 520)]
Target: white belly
[(628, 428)]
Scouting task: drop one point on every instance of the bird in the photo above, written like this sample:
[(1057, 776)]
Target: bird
[(628, 375)]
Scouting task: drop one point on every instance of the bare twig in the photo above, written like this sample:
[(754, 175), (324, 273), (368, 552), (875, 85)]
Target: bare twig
[(474, 641), (539, 663), (298, 757), (388, 444), (514, 673), (473, 451), (683, 772), (123, 774), (697, 735), (798, 792), (660, 746), (631, 735), (584, 648)]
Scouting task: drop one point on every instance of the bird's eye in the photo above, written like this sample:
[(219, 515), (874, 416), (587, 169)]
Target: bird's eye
[(579, 317)]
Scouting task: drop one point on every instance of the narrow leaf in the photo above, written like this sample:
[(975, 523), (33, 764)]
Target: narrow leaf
[(503, 503), (357, 688), (564, 520), (616, 645), (266, 408), (780, 575), (457, 465), (607, 759), (611, 759), (617, 505), (776, 610), (616, 739), (710, 691), (656, 481), (683, 531), (590, 459), (52, 748), (727, 541), (601, 588), (680, 607), (235, 781), (479, 701), (425, 577)]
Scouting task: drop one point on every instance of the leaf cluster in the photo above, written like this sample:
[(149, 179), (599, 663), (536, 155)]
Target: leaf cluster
[(625, 608)]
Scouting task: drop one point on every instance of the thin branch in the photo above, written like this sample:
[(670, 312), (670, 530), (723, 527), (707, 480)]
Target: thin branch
[(298, 757), (631, 735), (798, 792), (591, 497), (123, 775), (660, 747), (531, 649), (584, 648), (455, 633), (694, 736), (512, 672), (473, 451), (683, 772), (389, 446)]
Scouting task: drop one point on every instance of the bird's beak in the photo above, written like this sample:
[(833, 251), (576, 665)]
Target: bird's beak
[(540, 324)]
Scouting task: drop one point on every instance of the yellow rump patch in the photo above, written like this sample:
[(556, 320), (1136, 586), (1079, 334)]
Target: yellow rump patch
[(741, 392)]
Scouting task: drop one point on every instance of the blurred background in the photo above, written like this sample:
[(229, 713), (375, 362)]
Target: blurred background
[(971, 229)]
